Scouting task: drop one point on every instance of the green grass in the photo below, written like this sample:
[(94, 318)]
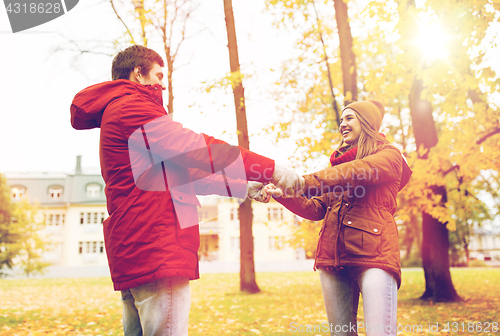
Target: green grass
[(91, 307)]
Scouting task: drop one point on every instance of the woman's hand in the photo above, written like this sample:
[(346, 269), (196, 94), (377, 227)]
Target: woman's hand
[(256, 191), (290, 183)]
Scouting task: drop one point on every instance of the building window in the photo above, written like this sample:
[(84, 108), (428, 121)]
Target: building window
[(88, 217), (102, 217), (234, 214), (55, 192), (57, 219), (276, 243), (17, 192), (82, 217), (93, 190), (95, 217), (91, 247), (63, 219), (51, 219), (274, 213)]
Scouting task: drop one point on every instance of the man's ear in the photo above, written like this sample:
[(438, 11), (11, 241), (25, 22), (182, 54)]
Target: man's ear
[(136, 74)]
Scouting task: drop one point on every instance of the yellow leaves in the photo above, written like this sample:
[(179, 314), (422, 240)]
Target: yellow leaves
[(422, 151), (232, 79), (452, 225), (348, 96)]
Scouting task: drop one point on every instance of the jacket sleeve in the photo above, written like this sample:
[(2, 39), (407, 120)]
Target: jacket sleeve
[(156, 138), (382, 167), (312, 209), (257, 167)]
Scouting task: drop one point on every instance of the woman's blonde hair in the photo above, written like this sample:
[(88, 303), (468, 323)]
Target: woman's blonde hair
[(369, 140)]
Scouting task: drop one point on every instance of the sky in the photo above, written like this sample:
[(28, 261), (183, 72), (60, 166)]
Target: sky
[(39, 84)]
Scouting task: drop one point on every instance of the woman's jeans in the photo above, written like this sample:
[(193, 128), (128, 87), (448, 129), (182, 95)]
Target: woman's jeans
[(341, 294), (157, 308)]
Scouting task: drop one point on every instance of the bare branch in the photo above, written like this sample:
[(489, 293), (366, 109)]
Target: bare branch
[(334, 102), (123, 22), (486, 136)]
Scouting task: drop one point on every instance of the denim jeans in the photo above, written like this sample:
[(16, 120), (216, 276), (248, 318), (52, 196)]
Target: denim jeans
[(341, 291), (157, 308)]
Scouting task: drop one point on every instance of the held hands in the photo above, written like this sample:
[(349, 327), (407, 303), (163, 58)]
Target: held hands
[(256, 191), (262, 193), (290, 183), (285, 183)]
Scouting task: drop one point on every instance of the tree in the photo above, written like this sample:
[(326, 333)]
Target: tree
[(347, 55), (165, 19), (21, 241), (247, 265), (151, 23), (305, 236)]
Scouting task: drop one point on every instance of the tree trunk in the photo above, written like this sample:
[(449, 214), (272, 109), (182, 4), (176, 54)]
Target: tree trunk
[(248, 282), (346, 52), (170, 84), (435, 240), (247, 265)]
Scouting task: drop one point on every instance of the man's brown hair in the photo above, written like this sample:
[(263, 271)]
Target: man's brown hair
[(130, 58)]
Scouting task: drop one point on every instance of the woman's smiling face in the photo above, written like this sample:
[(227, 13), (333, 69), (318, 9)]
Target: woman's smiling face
[(350, 128)]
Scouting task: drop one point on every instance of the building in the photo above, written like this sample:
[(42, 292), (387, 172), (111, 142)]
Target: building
[(485, 243), (74, 208)]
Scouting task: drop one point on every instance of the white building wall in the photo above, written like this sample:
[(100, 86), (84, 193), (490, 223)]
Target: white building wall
[(264, 227)]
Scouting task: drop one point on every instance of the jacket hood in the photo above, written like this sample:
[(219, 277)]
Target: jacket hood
[(89, 104), (405, 176)]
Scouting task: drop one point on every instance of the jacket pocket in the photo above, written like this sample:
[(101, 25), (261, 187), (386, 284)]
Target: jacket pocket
[(362, 237)]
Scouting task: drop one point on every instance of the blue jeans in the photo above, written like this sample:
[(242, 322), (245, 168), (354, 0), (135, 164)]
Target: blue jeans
[(341, 291), (157, 308)]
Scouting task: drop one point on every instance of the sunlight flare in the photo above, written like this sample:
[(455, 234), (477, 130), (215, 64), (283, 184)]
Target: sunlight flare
[(432, 41)]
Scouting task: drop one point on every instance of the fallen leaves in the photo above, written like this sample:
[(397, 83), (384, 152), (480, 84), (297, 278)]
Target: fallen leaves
[(90, 306)]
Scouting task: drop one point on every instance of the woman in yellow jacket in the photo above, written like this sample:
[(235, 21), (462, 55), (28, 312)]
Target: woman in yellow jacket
[(358, 248)]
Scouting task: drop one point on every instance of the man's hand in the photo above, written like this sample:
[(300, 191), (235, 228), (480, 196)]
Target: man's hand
[(273, 191), (291, 183), (257, 192)]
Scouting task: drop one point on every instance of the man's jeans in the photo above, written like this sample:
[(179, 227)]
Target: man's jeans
[(341, 294), (157, 308)]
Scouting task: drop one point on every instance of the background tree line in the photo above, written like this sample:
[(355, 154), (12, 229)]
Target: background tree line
[(22, 243)]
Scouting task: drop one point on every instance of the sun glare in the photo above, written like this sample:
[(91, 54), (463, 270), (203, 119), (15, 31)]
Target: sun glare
[(432, 41)]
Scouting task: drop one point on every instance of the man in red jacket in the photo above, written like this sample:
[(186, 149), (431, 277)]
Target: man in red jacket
[(153, 167)]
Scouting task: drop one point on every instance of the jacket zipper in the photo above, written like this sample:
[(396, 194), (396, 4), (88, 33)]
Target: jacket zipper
[(339, 221), (322, 233)]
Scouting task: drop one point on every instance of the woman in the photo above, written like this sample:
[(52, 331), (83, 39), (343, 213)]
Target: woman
[(358, 249)]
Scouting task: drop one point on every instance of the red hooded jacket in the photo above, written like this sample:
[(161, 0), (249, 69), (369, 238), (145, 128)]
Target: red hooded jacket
[(143, 238)]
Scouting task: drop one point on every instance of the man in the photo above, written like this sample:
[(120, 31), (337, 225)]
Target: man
[(152, 167)]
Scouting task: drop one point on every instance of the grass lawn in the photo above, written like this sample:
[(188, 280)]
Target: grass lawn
[(287, 301)]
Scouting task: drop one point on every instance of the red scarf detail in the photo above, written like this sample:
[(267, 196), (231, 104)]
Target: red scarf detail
[(345, 157)]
